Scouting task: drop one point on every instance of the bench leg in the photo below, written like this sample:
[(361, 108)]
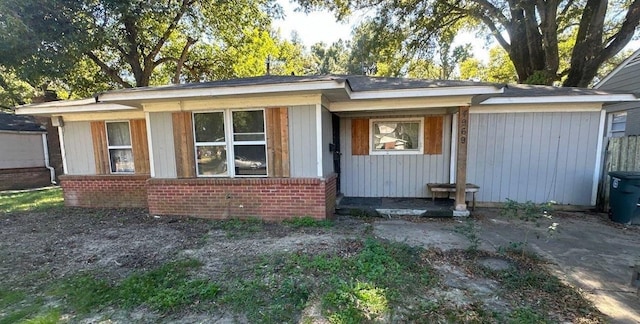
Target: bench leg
[(473, 206)]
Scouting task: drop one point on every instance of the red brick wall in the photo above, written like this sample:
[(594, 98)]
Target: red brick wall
[(267, 198), (105, 190), (330, 195), (24, 178)]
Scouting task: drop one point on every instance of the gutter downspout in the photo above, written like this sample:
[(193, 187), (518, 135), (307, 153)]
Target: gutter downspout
[(46, 158)]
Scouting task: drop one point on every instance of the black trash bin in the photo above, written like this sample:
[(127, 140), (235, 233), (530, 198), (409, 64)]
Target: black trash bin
[(624, 197)]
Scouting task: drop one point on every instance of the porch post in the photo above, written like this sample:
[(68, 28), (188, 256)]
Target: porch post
[(461, 158)]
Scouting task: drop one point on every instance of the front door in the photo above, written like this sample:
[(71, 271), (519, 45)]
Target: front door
[(335, 121)]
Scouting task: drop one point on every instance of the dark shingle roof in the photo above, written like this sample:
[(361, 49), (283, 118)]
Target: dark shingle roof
[(356, 83), (11, 122)]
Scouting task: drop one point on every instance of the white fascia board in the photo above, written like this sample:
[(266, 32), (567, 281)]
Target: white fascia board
[(49, 110), (62, 103), (558, 99), (425, 92), (158, 93)]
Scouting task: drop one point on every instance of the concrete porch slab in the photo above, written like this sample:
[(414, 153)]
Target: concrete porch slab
[(391, 207)]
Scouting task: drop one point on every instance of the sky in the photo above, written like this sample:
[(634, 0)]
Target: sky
[(322, 27)]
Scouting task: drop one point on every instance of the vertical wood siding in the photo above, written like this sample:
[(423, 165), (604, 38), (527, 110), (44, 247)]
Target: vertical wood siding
[(277, 120), (327, 138), (533, 156), (433, 135), (100, 151), (302, 141), (140, 146), (391, 175), (184, 144), (78, 148), (164, 155), (21, 150)]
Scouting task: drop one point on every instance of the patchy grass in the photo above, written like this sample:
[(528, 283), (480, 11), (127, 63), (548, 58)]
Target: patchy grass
[(36, 200), (240, 228), (164, 289), (372, 281), (307, 221)]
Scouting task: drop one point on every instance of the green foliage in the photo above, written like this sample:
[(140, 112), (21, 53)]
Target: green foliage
[(361, 286), (167, 288), (307, 221), (532, 213), (499, 68), (470, 231), (236, 227), (526, 315), (36, 200), (50, 317)]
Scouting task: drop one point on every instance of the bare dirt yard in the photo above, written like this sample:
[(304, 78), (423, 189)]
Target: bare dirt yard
[(72, 265)]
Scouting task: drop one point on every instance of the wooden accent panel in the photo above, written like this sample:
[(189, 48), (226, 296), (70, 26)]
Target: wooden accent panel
[(277, 121), (140, 145), (461, 158), (100, 152), (433, 126), (360, 136), (184, 144)]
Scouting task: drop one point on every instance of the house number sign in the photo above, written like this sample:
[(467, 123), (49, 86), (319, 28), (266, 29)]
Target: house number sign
[(464, 124)]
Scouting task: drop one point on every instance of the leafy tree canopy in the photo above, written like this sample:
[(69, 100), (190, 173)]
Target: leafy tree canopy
[(532, 33), (127, 41)]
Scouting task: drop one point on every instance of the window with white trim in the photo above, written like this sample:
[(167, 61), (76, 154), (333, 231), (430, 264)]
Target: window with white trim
[(230, 137), (618, 124), (396, 136), (119, 147)]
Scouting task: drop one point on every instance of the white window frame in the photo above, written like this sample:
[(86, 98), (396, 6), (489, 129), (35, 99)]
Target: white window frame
[(119, 147), (617, 133), (230, 143), (420, 139)]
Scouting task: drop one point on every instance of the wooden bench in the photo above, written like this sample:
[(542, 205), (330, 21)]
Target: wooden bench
[(451, 187)]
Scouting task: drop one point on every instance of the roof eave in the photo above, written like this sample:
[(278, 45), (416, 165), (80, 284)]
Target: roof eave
[(155, 94), (559, 99), (53, 110), (426, 92)]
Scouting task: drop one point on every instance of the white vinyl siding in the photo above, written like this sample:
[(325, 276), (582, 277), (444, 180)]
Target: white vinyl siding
[(161, 139), (78, 148), (391, 175), (21, 150), (302, 142), (533, 156)]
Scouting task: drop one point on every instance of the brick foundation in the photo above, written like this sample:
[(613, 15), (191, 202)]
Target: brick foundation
[(24, 178), (105, 190), (267, 198)]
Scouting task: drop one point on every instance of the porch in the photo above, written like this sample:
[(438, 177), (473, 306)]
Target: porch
[(389, 207)]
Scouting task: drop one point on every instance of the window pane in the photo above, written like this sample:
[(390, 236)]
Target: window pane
[(248, 121), (212, 160), (209, 127), (396, 135), (250, 159), (121, 160), (118, 134)]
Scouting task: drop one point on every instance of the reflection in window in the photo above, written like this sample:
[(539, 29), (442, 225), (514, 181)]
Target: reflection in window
[(396, 135), (247, 144), (119, 147)]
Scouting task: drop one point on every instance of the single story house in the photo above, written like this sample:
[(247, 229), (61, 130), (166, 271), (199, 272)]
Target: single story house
[(24, 155), (285, 146), (623, 118)]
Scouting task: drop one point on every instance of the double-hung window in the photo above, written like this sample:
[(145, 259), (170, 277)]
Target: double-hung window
[(119, 147), (396, 136), (233, 138)]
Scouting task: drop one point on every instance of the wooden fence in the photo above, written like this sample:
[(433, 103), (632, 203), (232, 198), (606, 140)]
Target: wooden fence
[(622, 154)]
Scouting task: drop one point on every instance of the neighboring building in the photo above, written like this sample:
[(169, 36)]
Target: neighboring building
[(285, 146), (23, 153), (623, 119)]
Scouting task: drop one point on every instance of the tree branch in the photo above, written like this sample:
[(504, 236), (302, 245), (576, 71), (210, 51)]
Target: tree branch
[(183, 58), (174, 23), (111, 73)]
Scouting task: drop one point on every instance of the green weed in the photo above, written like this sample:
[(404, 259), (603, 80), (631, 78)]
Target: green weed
[(307, 221), (167, 288), (236, 227)]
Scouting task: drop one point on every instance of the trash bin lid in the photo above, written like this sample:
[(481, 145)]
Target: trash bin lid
[(627, 175)]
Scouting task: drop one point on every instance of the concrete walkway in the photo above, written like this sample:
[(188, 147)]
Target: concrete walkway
[(587, 251)]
